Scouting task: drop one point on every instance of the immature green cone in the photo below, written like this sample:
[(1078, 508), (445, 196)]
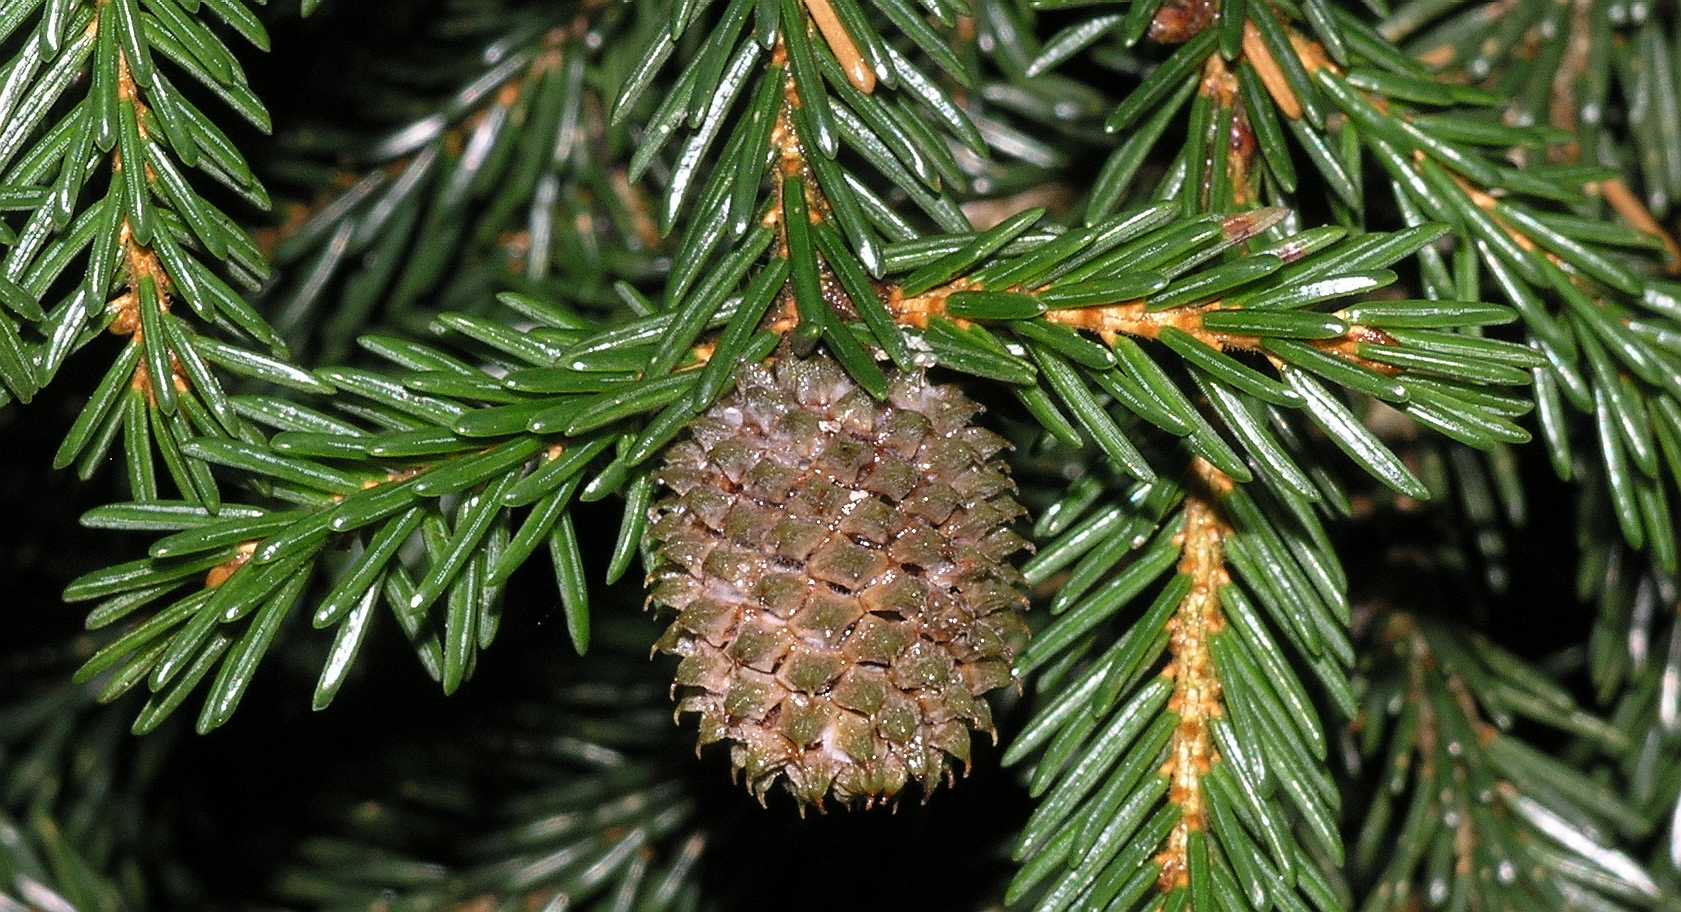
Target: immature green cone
[(839, 572)]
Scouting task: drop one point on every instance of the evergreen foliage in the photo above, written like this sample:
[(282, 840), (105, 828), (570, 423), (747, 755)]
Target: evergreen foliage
[(1329, 346)]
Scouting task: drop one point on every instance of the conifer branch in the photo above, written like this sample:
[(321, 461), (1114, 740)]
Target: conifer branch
[(667, 191), (1607, 307), (147, 239), (521, 432), (509, 179), (79, 827), (1187, 783), (1486, 813)]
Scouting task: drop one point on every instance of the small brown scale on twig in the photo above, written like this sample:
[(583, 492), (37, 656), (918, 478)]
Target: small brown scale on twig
[(224, 571), (1134, 318), (1221, 86), (1196, 696), (784, 317), (1178, 21), (917, 310), (141, 263), (790, 155), (397, 476), (1241, 159), (1487, 202), (142, 379)]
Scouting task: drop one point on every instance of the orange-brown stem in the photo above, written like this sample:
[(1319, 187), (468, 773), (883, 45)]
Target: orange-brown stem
[(140, 262), (1197, 699), (1134, 318)]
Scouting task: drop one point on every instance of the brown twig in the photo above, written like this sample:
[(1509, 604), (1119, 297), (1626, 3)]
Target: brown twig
[(140, 262), (1197, 694), (1134, 318)]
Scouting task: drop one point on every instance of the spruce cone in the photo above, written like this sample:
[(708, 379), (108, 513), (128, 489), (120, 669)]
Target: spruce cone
[(839, 572)]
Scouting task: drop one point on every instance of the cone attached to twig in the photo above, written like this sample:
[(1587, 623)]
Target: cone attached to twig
[(839, 570)]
